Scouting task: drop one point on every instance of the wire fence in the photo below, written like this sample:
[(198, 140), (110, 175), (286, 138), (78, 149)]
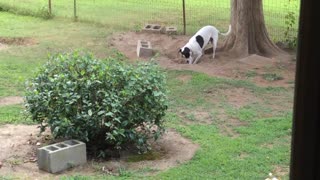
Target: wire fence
[(281, 16)]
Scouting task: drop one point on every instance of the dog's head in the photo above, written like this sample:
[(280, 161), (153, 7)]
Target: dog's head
[(187, 54)]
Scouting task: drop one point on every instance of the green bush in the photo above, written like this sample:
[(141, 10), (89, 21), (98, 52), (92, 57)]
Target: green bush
[(290, 23), (104, 103)]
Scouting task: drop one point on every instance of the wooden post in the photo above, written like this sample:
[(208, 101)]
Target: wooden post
[(305, 158), (184, 16), (75, 9), (49, 7)]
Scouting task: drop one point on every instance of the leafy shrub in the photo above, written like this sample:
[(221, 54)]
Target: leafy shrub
[(290, 22), (44, 13), (104, 103)]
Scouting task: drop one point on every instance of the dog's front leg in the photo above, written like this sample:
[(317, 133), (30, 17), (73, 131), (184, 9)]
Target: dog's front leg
[(199, 54)]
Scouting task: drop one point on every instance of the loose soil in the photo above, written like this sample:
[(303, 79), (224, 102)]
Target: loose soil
[(20, 41), (253, 68), (2, 46), (6, 42), (166, 48), (11, 100), (19, 144)]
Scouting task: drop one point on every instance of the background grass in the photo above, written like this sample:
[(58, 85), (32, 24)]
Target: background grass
[(13, 115), (262, 138), (19, 61), (134, 13)]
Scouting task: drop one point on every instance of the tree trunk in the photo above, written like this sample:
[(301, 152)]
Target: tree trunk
[(249, 34)]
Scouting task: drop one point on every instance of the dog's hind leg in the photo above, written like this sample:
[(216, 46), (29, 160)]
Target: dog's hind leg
[(214, 46)]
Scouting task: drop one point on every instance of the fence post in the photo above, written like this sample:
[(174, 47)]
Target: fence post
[(75, 9), (49, 7), (184, 16)]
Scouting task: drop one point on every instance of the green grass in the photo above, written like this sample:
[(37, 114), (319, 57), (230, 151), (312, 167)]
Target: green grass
[(220, 157), (262, 144), (251, 74), (49, 36), (13, 115), (6, 178), (272, 77), (134, 13)]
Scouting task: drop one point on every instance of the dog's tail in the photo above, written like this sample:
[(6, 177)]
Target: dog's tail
[(227, 33)]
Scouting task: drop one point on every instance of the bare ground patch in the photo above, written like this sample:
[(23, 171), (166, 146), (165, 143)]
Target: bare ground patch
[(19, 144), (227, 127), (184, 78), (239, 97), (196, 117), (227, 124), (224, 64), (18, 41), (11, 100), (280, 171), (2, 46)]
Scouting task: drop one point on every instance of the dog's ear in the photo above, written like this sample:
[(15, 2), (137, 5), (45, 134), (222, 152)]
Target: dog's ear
[(180, 53)]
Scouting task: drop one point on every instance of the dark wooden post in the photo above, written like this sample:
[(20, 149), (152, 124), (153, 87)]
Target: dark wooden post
[(49, 7), (75, 9), (305, 154), (184, 16)]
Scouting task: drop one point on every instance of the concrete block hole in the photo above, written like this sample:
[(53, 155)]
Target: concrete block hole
[(52, 148), (156, 27), (144, 44), (61, 145), (71, 142)]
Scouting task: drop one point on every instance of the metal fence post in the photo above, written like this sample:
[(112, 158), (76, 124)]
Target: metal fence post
[(184, 16)]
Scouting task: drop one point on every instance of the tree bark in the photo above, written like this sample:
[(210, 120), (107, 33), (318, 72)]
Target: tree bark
[(249, 34)]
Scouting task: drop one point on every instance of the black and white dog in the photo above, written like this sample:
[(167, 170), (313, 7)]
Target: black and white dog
[(193, 50)]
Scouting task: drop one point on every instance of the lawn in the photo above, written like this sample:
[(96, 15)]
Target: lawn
[(256, 142), (133, 13)]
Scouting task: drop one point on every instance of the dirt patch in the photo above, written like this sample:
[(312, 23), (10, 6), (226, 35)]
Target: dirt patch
[(243, 156), (177, 150), (16, 140), (227, 125), (2, 46), (280, 171), (239, 97), (224, 65), (10, 100), (196, 117), (19, 144), (184, 78), (5, 42)]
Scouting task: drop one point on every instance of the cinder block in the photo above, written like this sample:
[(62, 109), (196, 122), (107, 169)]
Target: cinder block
[(153, 28), (171, 30), (144, 49), (61, 156)]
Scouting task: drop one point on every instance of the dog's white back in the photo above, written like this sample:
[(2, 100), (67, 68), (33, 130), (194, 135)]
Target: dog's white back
[(199, 41), (207, 32)]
